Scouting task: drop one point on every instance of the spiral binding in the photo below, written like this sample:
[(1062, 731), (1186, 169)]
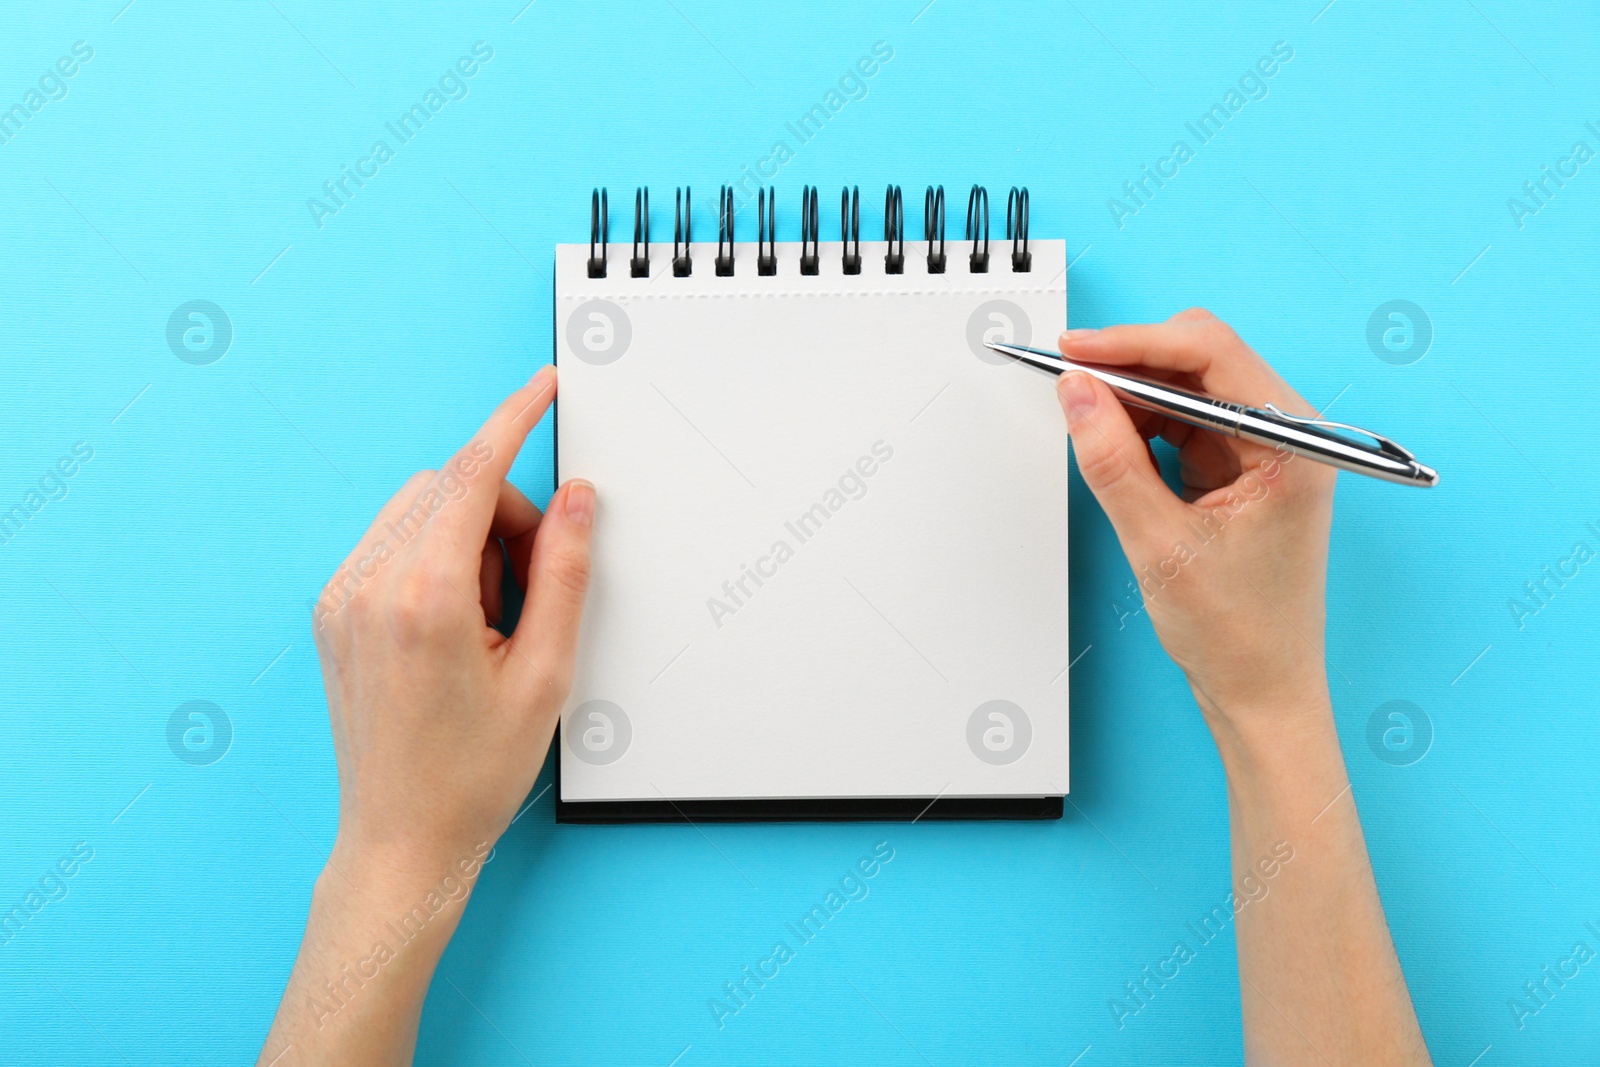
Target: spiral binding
[(682, 224), (809, 222), (599, 230), (978, 201), (725, 231), (894, 225), (850, 228), (767, 232), (641, 229), (933, 223), (1021, 260), (894, 232)]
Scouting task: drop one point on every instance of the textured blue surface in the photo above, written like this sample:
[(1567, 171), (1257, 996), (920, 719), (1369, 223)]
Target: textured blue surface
[(180, 562)]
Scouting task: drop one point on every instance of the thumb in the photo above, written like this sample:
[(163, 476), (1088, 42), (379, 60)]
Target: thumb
[(1115, 461), (558, 580)]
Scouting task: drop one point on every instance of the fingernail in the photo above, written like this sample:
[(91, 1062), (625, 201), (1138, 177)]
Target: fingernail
[(543, 374), (1068, 336), (580, 502), (1078, 391)]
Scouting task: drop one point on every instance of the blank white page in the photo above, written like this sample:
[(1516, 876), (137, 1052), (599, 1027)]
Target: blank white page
[(830, 541)]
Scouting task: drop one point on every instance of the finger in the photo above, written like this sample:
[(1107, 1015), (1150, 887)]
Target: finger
[(1148, 423), (491, 570), (1207, 462), (516, 522), (1116, 462), (1193, 342), (514, 514), (547, 634), (484, 463)]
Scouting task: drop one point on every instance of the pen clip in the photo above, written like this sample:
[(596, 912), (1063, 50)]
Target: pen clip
[(1384, 444)]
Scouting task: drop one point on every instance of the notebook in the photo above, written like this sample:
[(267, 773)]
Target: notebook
[(830, 543)]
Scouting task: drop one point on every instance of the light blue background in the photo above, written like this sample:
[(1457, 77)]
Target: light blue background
[(181, 563)]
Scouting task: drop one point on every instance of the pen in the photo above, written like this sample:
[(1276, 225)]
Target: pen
[(1269, 425)]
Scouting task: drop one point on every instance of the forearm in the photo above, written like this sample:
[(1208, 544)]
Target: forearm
[(1319, 979), (373, 938)]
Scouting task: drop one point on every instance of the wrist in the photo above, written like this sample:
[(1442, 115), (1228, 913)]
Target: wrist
[(1274, 729), (416, 898), (378, 926), (1283, 764), (390, 870)]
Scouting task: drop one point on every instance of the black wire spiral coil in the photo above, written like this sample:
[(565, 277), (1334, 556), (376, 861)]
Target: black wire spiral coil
[(894, 235), (894, 232), (599, 231)]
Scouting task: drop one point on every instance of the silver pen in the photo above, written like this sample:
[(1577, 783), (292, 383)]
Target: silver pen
[(1270, 425)]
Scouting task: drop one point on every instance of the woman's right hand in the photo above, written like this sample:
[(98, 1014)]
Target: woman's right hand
[(1233, 572)]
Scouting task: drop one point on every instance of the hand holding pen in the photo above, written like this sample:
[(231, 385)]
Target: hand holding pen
[(1232, 573), (1250, 527), (1337, 444)]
